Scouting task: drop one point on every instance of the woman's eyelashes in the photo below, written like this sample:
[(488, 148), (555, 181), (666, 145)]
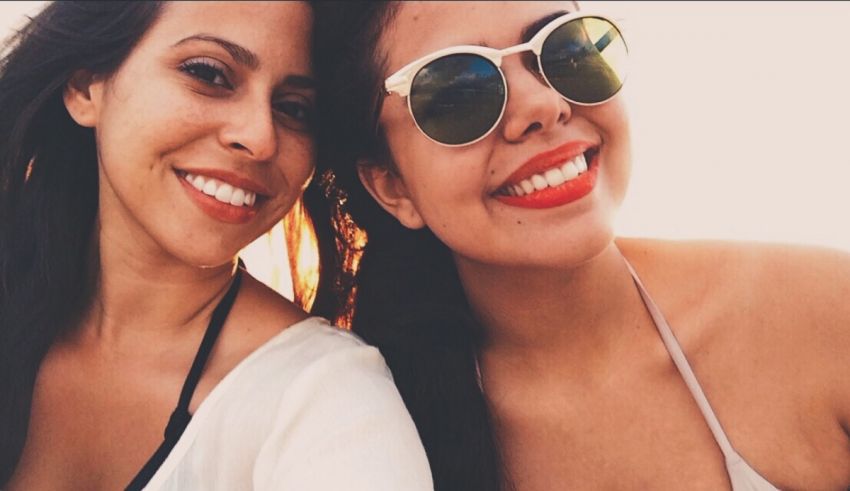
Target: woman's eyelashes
[(292, 110), (208, 71), (295, 111)]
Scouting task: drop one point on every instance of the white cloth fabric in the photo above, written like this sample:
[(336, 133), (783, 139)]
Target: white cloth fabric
[(314, 408)]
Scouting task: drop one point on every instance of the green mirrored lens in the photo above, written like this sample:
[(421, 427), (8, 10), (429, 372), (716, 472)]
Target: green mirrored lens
[(585, 60), (458, 98)]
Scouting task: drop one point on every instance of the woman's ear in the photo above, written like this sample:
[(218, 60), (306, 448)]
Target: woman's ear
[(389, 190), (82, 98)]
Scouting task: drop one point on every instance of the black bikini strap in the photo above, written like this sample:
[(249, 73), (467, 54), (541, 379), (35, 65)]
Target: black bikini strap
[(180, 418), (210, 337)]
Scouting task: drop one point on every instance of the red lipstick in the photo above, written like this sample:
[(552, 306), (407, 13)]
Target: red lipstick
[(567, 192)]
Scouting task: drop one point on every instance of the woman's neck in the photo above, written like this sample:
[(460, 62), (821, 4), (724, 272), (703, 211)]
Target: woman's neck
[(545, 315), (140, 289)]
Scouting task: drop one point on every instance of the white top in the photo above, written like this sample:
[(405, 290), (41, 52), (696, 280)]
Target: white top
[(314, 408)]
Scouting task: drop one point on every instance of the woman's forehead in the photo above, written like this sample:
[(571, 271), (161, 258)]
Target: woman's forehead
[(255, 25), (419, 28)]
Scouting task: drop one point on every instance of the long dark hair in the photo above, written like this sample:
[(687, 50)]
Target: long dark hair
[(49, 189), (408, 299)]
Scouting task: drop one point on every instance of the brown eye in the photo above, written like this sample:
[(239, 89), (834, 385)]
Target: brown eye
[(295, 110)]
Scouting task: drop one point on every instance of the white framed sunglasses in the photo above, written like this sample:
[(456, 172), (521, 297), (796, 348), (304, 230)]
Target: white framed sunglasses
[(457, 96)]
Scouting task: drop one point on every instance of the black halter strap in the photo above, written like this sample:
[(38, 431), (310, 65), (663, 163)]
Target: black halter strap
[(180, 417)]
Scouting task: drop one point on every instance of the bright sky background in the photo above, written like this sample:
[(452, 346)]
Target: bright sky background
[(740, 120)]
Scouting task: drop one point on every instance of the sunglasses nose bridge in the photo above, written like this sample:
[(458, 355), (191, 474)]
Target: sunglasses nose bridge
[(513, 50)]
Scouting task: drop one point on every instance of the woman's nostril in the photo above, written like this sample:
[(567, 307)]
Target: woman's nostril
[(535, 126)]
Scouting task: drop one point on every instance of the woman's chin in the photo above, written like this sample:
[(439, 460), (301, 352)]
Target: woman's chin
[(206, 258)]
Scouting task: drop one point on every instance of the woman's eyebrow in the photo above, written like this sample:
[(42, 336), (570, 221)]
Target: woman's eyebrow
[(300, 81), (532, 29), (241, 55)]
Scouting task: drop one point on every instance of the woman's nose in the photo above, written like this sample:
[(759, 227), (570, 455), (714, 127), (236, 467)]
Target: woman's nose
[(533, 106), (250, 129)]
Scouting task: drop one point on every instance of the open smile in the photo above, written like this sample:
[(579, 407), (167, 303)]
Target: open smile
[(553, 178), (223, 196)]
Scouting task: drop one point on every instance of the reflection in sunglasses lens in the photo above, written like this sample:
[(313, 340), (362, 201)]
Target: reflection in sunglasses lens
[(457, 98), (585, 60)]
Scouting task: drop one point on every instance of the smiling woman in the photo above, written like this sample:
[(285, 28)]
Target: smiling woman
[(486, 150), (147, 144), (266, 257)]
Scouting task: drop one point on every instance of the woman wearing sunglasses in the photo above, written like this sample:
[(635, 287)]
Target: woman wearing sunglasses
[(144, 144), (484, 150)]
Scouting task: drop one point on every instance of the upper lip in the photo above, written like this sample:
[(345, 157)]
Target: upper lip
[(231, 178), (549, 159)]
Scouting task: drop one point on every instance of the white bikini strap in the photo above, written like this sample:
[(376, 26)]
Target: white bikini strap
[(684, 368)]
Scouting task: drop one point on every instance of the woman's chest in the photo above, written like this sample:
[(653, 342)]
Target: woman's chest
[(619, 446), (646, 430), (92, 428)]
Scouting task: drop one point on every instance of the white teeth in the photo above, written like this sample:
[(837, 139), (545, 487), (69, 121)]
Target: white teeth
[(237, 198), (551, 178), (210, 187), (539, 182), (223, 193), (570, 170), (554, 177), (198, 183), (581, 163)]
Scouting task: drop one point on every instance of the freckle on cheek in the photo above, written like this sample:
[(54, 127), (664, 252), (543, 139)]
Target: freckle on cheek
[(518, 222)]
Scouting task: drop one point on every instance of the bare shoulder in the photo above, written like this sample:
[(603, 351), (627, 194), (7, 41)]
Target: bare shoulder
[(683, 275), (788, 305), (258, 315), (261, 308), (787, 280)]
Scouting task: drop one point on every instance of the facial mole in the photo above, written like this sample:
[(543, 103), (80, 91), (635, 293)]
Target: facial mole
[(519, 222)]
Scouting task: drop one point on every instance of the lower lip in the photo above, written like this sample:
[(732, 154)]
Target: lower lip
[(572, 190), (222, 212)]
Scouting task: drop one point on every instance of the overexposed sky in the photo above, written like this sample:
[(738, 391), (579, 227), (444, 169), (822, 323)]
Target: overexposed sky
[(12, 14), (740, 119)]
